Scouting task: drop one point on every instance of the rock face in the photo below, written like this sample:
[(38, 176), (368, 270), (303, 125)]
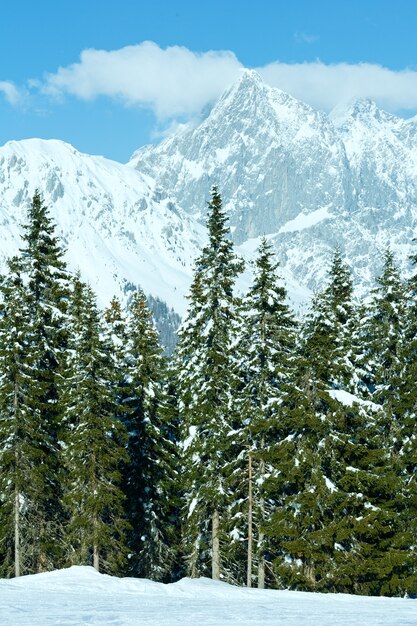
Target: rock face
[(266, 152), (307, 180)]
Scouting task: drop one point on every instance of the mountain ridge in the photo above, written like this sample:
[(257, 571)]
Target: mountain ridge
[(310, 181), (307, 180)]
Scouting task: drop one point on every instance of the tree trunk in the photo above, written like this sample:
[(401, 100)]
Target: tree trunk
[(250, 536), (16, 492), (215, 563), (16, 533), (96, 559), (261, 536), (309, 571), (261, 562)]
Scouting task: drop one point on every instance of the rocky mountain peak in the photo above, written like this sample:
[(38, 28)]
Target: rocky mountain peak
[(365, 113), (256, 138)]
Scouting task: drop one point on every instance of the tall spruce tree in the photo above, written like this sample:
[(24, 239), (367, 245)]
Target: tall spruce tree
[(331, 342), (266, 350), (406, 411), (43, 287), (24, 444), (150, 474), (116, 336), (336, 523), (205, 362), (94, 445), (384, 335)]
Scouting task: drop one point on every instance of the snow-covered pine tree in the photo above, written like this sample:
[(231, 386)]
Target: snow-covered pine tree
[(298, 487), (150, 474), (266, 352), (43, 287), (336, 492), (116, 335), (331, 343), (384, 335), (205, 372), (95, 443), (24, 443), (303, 523), (371, 555), (385, 343), (406, 440), (115, 323)]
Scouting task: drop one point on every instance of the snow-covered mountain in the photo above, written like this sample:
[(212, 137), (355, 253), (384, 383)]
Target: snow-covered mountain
[(266, 152), (307, 180), (117, 226)]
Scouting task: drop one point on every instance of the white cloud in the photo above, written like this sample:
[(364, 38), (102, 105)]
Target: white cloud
[(10, 92), (172, 82), (176, 82), (325, 86)]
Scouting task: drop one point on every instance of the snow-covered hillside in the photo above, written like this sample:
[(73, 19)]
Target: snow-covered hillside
[(116, 225), (79, 596)]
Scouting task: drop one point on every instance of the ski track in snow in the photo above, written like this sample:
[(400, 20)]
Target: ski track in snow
[(80, 596)]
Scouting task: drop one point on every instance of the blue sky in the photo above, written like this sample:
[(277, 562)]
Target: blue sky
[(110, 76)]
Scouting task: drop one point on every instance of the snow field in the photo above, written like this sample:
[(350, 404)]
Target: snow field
[(80, 596)]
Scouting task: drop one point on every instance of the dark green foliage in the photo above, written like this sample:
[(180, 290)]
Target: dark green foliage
[(266, 352), (331, 332), (205, 364), (150, 475), (95, 444), (385, 333), (38, 286), (47, 289), (298, 487), (339, 516), (405, 411), (25, 443)]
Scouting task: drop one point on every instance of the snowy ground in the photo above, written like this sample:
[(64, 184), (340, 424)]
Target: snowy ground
[(80, 596)]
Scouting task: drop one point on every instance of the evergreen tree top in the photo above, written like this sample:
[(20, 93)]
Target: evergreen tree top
[(340, 287), (39, 231), (217, 220), (114, 312), (389, 282), (144, 338), (218, 256), (265, 285)]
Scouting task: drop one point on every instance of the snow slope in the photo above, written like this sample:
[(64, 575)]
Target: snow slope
[(79, 596), (117, 226)]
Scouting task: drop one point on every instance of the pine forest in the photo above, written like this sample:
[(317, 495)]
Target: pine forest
[(268, 450)]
